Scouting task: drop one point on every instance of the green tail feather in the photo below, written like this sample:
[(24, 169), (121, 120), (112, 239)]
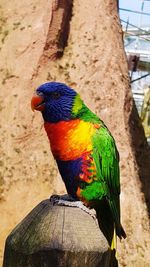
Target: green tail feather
[(116, 216), (107, 226), (105, 219)]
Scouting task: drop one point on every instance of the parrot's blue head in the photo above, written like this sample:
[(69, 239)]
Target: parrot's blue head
[(55, 100)]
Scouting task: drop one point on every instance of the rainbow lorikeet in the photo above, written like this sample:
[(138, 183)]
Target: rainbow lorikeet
[(85, 152)]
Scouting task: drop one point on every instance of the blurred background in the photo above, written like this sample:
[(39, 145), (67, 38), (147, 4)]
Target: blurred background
[(135, 20)]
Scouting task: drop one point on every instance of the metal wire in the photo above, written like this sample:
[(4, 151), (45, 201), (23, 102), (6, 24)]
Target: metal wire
[(136, 12), (140, 78), (147, 32)]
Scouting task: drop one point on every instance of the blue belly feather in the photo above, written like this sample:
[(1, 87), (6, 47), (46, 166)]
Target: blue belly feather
[(70, 171)]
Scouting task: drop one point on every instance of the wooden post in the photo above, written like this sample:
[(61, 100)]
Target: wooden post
[(56, 236)]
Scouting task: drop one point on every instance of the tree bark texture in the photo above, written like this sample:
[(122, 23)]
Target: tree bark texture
[(93, 62)]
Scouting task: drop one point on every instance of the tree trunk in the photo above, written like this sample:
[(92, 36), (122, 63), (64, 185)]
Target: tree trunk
[(93, 63)]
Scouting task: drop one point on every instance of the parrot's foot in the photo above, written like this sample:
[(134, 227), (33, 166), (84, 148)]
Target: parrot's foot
[(66, 200)]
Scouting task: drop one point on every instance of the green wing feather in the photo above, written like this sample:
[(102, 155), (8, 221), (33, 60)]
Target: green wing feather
[(106, 159), (106, 188)]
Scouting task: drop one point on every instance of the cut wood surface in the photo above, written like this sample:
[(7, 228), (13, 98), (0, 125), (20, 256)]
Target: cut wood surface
[(52, 235)]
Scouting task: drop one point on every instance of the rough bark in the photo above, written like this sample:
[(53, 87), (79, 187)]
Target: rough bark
[(93, 63), (57, 35)]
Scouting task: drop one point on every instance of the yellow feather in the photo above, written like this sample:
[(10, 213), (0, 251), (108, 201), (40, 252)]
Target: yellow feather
[(114, 241), (80, 137), (77, 105)]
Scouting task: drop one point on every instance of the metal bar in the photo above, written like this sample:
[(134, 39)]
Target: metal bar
[(140, 78), (141, 37), (127, 24), (130, 42), (132, 11), (134, 32), (139, 51), (148, 32)]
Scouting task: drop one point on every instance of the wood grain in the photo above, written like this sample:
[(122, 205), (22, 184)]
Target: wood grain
[(51, 236)]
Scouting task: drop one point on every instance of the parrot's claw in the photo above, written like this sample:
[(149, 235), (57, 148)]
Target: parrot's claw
[(80, 205), (66, 200)]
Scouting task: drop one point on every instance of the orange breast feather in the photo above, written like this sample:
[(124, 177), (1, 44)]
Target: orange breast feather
[(70, 139)]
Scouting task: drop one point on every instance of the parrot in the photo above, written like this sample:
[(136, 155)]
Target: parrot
[(85, 153)]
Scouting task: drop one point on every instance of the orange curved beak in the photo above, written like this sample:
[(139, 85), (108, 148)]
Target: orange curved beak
[(37, 102)]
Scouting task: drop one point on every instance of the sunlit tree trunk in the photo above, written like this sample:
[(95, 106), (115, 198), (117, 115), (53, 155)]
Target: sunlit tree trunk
[(87, 54)]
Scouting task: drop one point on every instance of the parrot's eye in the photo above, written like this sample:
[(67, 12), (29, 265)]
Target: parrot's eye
[(55, 95)]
